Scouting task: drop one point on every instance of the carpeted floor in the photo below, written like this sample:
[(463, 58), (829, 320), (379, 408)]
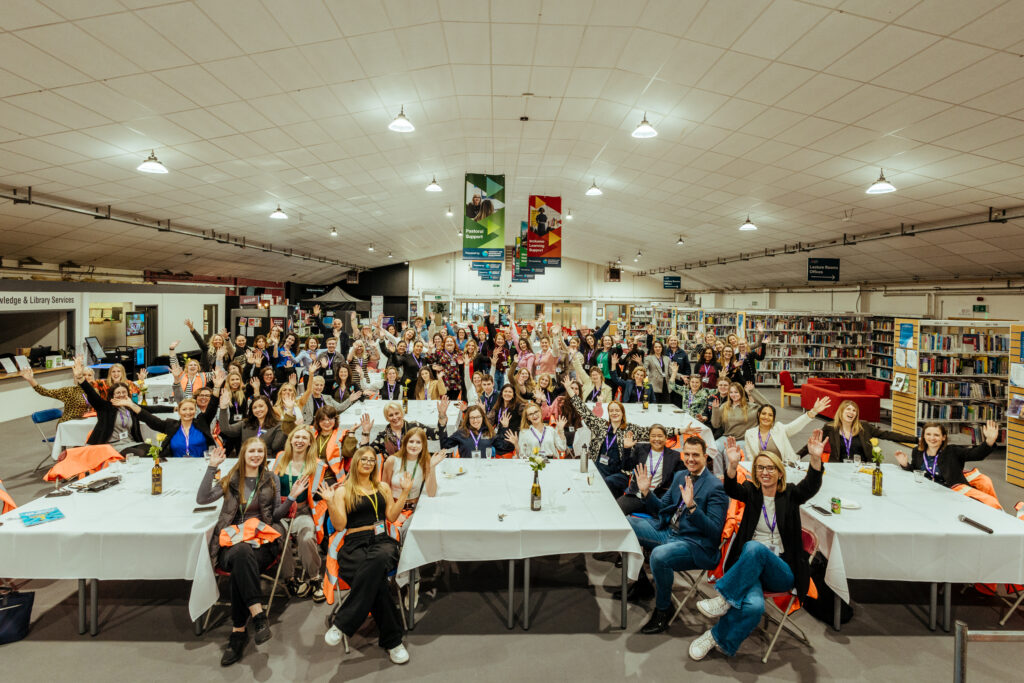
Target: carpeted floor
[(460, 633)]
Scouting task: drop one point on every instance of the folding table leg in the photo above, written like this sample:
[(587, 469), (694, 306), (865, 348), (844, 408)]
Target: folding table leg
[(625, 589), (947, 607), (413, 576), (933, 605), (526, 594), (81, 607), (94, 592), (511, 592), (837, 605)]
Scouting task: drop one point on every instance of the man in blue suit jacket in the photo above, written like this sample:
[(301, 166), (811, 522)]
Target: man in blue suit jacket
[(684, 530)]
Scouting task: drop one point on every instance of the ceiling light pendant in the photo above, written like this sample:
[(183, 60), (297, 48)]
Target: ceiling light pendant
[(151, 164), (334, 231), (748, 226), (389, 255), (449, 211), (460, 232), (880, 186), (433, 186), (568, 216), (370, 248), (401, 124), (594, 190), (645, 129), (679, 243), (278, 214), (618, 260), (638, 255)]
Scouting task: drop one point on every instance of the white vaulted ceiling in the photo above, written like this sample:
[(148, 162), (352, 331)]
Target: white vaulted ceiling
[(781, 109)]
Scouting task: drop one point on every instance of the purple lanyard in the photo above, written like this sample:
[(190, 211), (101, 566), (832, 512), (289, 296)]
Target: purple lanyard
[(540, 439), (330, 359), (772, 523), (608, 443), (590, 355), (595, 394), (706, 369), (661, 364), (391, 389), (763, 444), (318, 403), (268, 390), (185, 434), (122, 418), (654, 470), (476, 439), (935, 463), (638, 392), (848, 443), (398, 440), (418, 363), (259, 431), (689, 401)]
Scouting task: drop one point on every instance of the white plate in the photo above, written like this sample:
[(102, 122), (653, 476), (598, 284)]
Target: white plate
[(849, 504)]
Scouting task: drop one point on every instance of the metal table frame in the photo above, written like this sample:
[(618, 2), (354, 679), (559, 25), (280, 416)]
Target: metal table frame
[(947, 607)]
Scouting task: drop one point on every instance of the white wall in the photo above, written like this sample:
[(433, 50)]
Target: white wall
[(172, 310)]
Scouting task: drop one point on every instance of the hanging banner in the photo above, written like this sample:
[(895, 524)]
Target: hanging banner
[(544, 237), (483, 226), (485, 265)]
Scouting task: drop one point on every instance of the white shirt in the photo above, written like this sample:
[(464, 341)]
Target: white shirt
[(656, 459), (763, 532), (548, 443)]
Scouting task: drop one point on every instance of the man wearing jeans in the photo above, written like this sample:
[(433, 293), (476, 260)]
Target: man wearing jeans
[(683, 531)]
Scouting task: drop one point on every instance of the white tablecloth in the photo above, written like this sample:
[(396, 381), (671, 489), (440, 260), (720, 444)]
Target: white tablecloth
[(462, 523), (122, 533), (161, 386), (911, 533)]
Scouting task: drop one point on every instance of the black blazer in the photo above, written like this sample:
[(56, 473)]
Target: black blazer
[(671, 463), (787, 511), (462, 440), (867, 432), (106, 414), (202, 422), (951, 462)]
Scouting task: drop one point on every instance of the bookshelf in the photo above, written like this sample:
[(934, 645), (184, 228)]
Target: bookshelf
[(904, 397), (721, 323), (880, 351), (639, 318), (821, 345), (1015, 425), (959, 378)]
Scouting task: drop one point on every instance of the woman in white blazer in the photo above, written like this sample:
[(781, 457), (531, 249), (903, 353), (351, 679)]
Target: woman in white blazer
[(773, 436)]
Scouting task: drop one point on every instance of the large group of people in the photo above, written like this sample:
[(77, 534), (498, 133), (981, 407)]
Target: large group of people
[(520, 390)]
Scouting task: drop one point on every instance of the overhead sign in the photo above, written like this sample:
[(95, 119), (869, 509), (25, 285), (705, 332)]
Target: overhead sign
[(823, 270), (35, 301), (671, 282), (483, 225)]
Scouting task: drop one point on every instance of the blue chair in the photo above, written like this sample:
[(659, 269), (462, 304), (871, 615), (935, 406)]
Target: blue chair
[(157, 370), (41, 417)]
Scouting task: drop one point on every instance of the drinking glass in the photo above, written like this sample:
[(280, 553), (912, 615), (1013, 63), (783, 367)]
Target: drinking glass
[(918, 476)]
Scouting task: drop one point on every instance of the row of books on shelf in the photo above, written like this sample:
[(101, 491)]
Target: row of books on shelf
[(885, 349), (976, 435), (971, 412), (937, 388), (978, 365), (883, 325), (881, 360), (810, 365), (881, 373), (965, 343), (805, 325), (804, 338)]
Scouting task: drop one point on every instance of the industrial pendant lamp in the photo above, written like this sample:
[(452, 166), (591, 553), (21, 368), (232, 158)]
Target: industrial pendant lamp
[(151, 164), (401, 124), (645, 129), (880, 186)]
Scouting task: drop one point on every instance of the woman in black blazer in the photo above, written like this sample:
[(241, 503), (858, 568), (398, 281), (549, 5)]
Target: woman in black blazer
[(190, 422), (116, 423), (261, 421), (943, 463), (848, 436), (660, 462), (767, 552), (474, 434)]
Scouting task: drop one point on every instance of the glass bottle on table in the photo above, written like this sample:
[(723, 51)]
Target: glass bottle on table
[(158, 477)]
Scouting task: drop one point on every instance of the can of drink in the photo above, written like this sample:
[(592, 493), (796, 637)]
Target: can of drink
[(837, 506)]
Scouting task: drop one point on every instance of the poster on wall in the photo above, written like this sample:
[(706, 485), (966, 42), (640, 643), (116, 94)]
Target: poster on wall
[(907, 335), (483, 226), (414, 307), (544, 236)]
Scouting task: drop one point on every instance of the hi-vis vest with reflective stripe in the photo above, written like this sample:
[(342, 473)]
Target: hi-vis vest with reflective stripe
[(189, 391), (332, 581), (253, 532)]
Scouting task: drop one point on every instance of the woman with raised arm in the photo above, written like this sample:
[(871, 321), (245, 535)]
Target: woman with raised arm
[(192, 433), (363, 507), (773, 437), (192, 379), (474, 437), (767, 553), (116, 374), (446, 364), (657, 365), (314, 398), (72, 397), (246, 538), (707, 369), (848, 437), (305, 362), (287, 408), (389, 440), (116, 423), (732, 418), (218, 352), (535, 437), (694, 397), (507, 410), (294, 468), (945, 464)]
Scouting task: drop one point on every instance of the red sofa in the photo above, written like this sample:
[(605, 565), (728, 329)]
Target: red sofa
[(866, 393)]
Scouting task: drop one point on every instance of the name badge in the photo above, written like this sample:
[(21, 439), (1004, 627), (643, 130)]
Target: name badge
[(475, 454), (603, 459), (378, 528), (329, 372)]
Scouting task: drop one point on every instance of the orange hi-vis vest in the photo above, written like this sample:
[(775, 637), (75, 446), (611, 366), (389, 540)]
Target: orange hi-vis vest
[(190, 390), (332, 581), (81, 461), (6, 502), (253, 531), (1019, 508)]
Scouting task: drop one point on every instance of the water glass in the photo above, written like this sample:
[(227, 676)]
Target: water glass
[(856, 460), (918, 476)]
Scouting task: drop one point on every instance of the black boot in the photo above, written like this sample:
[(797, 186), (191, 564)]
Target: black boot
[(261, 628), (236, 646), (641, 590), (658, 622)]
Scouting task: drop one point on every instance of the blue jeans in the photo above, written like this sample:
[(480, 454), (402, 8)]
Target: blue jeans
[(757, 570), (669, 553)]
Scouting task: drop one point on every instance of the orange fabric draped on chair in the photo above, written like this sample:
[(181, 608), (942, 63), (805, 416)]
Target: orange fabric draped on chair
[(83, 460)]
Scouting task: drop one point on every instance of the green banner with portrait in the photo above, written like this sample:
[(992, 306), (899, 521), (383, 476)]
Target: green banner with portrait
[(483, 223)]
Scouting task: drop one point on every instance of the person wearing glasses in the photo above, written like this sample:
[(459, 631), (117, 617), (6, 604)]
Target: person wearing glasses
[(767, 553)]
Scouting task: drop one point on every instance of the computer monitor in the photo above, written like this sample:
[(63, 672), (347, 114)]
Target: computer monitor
[(135, 324), (140, 358), (95, 348)]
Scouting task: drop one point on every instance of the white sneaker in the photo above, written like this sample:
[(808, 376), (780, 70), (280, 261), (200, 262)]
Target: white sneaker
[(700, 647), (398, 654), (713, 607), (333, 636)]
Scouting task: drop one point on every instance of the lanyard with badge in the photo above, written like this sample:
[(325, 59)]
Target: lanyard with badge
[(186, 435), (608, 443), (540, 439), (771, 528), (476, 444), (329, 370), (848, 442), (378, 525)]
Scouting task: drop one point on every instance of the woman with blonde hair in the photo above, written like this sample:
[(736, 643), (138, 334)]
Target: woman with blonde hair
[(287, 408), (363, 507), (413, 458), (734, 418), (217, 352), (294, 467), (116, 374), (250, 492), (849, 438)]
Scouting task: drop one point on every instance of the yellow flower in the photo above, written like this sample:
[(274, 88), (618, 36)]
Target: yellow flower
[(874, 442), (161, 437), (536, 450)]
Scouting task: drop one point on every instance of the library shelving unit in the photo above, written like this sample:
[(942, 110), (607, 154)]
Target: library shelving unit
[(880, 355), (1015, 425), (721, 323), (826, 345), (639, 318), (960, 377), (664, 322)]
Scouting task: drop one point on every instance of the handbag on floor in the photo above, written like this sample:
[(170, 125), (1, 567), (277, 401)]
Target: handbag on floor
[(822, 607), (15, 615)]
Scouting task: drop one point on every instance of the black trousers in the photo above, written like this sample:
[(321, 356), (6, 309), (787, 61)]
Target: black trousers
[(629, 504), (364, 563), (245, 564)]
